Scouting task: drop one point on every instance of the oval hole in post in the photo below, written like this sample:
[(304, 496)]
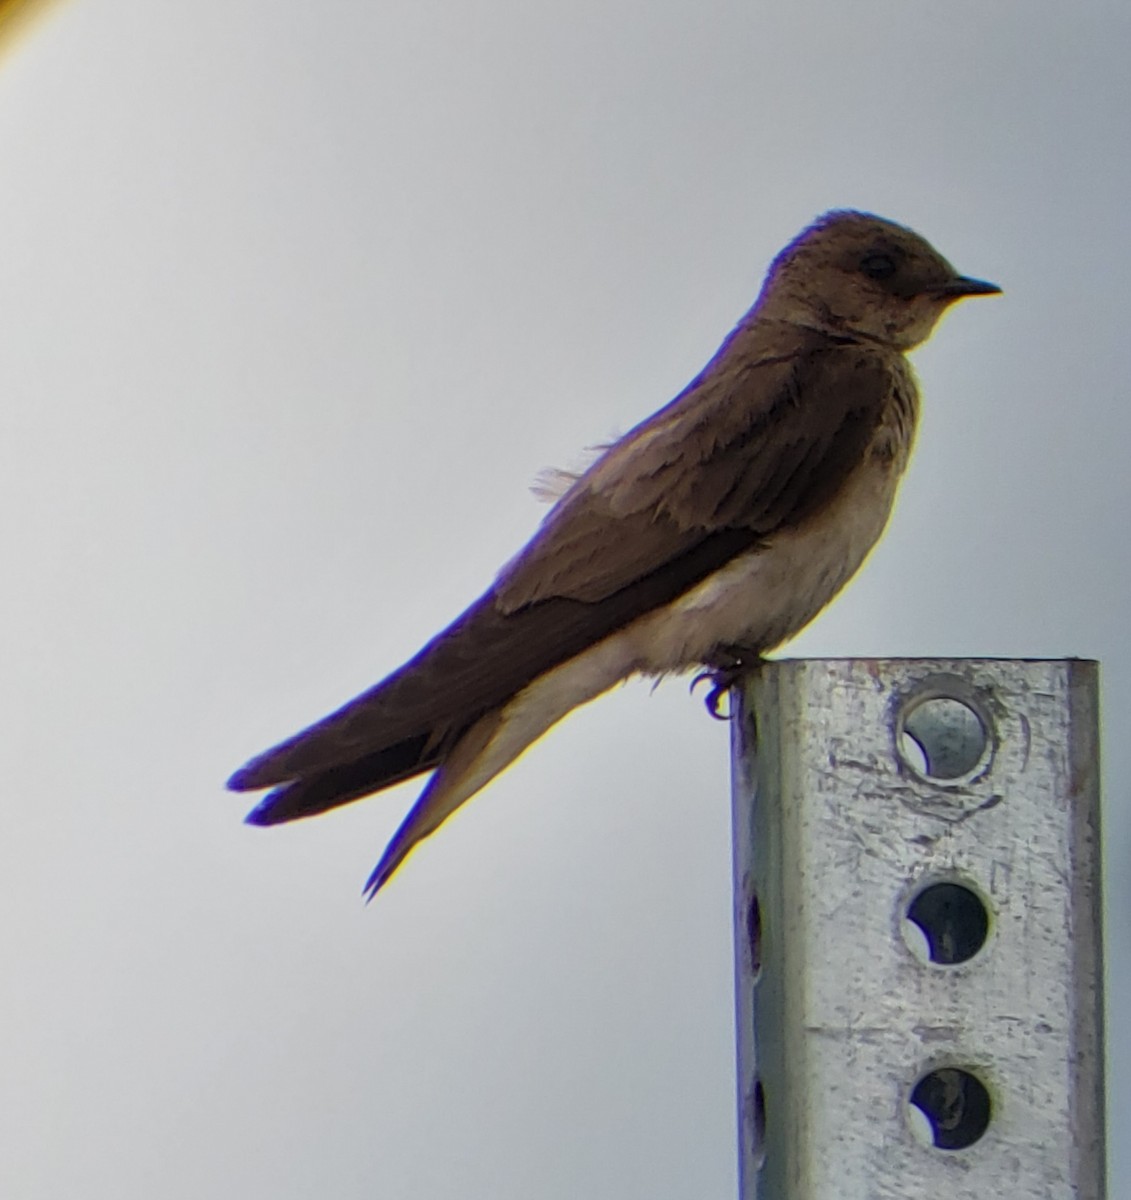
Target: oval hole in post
[(757, 1118), (943, 738), (952, 920), (754, 936), (955, 1105)]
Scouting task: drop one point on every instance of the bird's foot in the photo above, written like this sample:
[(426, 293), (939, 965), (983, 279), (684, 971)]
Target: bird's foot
[(726, 667)]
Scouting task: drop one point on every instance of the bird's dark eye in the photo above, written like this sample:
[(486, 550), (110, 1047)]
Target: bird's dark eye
[(878, 266)]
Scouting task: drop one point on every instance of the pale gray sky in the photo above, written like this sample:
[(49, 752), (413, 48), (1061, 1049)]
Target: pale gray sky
[(297, 299)]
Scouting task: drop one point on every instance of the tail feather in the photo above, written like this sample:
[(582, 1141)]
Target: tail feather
[(338, 785), (493, 742), (462, 773)]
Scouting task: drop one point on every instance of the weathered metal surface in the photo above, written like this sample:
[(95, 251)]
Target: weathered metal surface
[(987, 1013)]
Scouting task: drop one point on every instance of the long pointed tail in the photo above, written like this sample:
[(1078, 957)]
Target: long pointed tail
[(498, 738)]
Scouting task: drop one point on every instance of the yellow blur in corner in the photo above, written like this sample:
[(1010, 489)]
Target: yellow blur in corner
[(18, 17)]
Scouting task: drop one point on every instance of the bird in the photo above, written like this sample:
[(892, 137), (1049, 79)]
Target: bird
[(703, 538)]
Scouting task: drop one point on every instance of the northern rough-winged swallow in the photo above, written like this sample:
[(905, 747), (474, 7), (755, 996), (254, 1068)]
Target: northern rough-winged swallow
[(704, 537)]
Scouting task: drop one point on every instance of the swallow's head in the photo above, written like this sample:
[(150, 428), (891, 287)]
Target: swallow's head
[(856, 275)]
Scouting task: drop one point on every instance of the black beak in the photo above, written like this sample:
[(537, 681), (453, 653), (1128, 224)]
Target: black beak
[(960, 285)]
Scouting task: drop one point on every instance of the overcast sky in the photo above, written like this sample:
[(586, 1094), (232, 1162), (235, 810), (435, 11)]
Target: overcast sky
[(296, 301)]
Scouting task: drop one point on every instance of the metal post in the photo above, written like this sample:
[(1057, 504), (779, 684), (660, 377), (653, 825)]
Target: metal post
[(917, 892)]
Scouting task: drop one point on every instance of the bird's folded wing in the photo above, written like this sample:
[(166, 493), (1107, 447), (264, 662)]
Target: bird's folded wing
[(755, 446), (739, 454)]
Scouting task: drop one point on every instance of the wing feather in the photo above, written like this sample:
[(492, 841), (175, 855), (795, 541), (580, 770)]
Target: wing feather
[(738, 449), (748, 448)]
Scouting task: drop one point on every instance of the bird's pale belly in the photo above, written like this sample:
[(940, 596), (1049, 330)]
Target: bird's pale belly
[(756, 601), (767, 595)]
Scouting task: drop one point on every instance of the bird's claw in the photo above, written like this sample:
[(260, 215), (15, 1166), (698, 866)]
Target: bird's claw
[(726, 670), (721, 682)]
